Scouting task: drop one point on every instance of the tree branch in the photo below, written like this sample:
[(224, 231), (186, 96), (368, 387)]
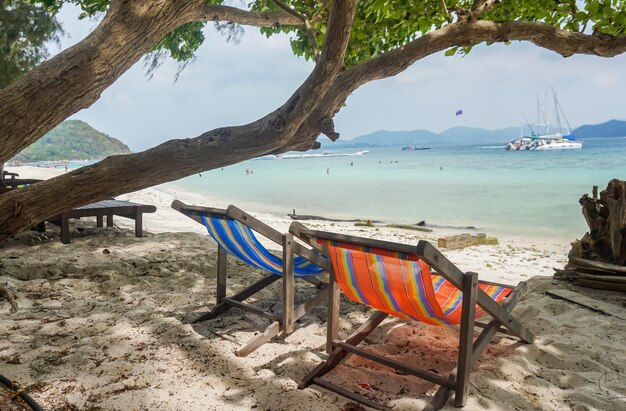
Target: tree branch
[(563, 42), (331, 60), (312, 39), (289, 10), (202, 11), (318, 14), (479, 7), (445, 9), (307, 24)]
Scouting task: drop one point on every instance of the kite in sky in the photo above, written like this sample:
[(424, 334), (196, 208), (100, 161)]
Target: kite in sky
[(459, 112)]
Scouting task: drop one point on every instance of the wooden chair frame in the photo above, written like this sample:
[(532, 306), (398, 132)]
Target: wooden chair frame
[(13, 183), (280, 323), (469, 349)]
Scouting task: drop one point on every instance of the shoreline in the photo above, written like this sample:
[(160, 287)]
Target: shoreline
[(513, 259), (282, 208), (273, 210)]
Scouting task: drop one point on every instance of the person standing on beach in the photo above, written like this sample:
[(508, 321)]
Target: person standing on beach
[(328, 171)]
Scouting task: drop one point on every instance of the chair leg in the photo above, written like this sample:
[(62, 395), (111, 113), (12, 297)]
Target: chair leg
[(338, 354), (288, 284), (332, 329), (468, 316), (481, 342), (222, 307), (65, 229), (222, 261)]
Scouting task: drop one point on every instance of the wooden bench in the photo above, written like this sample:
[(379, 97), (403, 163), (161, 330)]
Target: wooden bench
[(107, 208)]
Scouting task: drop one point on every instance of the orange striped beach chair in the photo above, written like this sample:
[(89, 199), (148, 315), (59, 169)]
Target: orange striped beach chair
[(234, 232), (415, 283)]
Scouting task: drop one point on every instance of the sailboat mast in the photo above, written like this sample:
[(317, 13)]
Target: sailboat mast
[(569, 127), (530, 127), (546, 122), (539, 114), (556, 112)]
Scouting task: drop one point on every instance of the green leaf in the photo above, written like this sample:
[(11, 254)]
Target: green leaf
[(451, 52)]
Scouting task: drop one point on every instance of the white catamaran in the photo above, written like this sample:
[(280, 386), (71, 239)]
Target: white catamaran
[(546, 137)]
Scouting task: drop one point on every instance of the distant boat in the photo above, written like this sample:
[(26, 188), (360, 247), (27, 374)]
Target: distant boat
[(414, 148), (548, 138)]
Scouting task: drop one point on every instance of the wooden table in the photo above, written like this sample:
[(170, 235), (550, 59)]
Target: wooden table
[(107, 208)]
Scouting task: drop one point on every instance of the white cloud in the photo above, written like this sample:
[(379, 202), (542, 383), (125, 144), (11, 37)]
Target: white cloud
[(229, 84)]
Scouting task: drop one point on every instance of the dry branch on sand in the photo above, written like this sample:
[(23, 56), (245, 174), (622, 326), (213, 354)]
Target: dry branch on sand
[(10, 296), (598, 260)]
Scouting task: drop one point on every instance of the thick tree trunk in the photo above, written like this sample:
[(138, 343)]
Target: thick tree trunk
[(74, 79), (174, 159)]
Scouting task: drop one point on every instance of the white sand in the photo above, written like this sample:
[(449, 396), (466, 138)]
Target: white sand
[(101, 325)]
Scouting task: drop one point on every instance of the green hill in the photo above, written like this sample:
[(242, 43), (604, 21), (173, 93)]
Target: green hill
[(73, 140), (456, 135)]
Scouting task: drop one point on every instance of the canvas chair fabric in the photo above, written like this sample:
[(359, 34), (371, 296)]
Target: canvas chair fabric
[(400, 284), (239, 241)]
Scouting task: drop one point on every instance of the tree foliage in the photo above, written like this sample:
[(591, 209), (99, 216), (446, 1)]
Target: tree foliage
[(25, 29), (383, 25)]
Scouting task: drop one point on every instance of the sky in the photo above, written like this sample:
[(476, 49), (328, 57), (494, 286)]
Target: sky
[(231, 84)]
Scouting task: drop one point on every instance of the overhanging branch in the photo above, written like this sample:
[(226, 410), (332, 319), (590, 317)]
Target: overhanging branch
[(470, 33), (202, 11), (307, 24), (75, 78)]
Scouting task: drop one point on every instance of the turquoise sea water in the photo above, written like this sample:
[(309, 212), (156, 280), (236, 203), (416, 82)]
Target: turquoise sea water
[(497, 191)]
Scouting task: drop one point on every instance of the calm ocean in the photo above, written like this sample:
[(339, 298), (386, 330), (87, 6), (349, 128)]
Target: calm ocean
[(500, 192)]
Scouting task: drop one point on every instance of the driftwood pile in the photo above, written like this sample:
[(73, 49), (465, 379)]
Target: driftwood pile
[(598, 260)]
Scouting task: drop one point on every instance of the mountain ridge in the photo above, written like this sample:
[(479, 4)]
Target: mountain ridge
[(468, 135), (72, 140)]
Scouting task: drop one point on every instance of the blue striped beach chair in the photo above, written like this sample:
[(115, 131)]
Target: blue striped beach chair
[(234, 232), (414, 283)]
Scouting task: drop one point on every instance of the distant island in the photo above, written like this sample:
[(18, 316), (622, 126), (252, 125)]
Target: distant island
[(466, 135), (72, 140)]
